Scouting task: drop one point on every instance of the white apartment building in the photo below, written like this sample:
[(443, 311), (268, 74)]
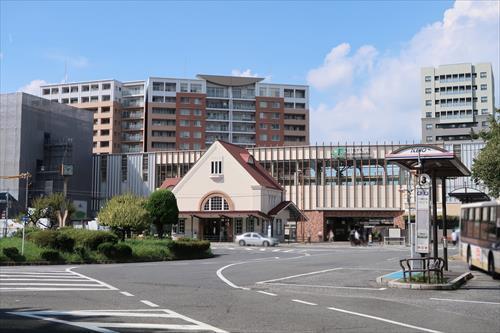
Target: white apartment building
[(456, 99)]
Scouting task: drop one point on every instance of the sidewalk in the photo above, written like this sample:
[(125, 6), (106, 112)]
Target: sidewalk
[(334, 244)]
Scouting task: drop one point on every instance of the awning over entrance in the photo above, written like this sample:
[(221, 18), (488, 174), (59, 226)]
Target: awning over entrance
[(295, 213), (468, 195), (428, 159), (223, 213)]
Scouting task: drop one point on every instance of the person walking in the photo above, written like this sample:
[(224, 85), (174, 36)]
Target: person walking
[(454, 237), (320, 236), (331, 236)]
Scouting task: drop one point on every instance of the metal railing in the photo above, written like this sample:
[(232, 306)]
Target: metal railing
[(428, 267)]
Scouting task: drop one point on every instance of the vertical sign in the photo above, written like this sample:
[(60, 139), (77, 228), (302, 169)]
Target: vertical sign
[(423, 215)]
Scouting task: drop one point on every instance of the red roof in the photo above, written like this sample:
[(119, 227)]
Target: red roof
[(252, 166), (170, 183)]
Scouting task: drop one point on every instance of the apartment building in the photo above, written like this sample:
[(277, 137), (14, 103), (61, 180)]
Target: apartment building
[(456, 99), (189, 114)]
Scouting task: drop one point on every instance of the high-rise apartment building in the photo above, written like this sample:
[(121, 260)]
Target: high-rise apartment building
[(455, 100), (189, 114)]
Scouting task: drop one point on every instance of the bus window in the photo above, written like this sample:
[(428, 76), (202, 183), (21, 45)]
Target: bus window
[(471, 214), (464, 214), (477, 214)]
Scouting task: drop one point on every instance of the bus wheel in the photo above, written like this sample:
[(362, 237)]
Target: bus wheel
[(469, 260), (491, 267)]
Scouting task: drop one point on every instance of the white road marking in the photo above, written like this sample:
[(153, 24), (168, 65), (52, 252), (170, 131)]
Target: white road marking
[(464, 301), (384, 320), (276, 250), (392, 258), (288, 251), (319, 286), (248, 249), (151, 304), (294, 276), (303, 302), (266, 293), (193, 325), (262, 249), (64, 280), (126, 293)]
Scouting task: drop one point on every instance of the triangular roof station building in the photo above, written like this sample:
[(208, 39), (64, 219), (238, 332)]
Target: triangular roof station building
[(226, 193)]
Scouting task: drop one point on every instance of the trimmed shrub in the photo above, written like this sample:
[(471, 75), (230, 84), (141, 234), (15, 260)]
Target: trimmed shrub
[(44, 238), (27, 231), (50, 255), (108, 249), (81, 252), (186, 248), (90, 239), (65, 243), (13, 254), (123, 251)]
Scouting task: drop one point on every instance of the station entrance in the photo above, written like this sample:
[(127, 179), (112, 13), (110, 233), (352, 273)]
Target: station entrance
[(342, 226)]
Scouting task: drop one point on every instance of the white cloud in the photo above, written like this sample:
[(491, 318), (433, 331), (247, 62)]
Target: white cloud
[(33, 87), (247, 72), (387, 105), (340, 68)]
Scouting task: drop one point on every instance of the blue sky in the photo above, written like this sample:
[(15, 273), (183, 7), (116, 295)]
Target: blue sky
[(283, 41)]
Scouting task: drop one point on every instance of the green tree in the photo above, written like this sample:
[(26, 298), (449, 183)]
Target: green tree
[(162, 207), (55, 207), (486, 166), (125, 213)]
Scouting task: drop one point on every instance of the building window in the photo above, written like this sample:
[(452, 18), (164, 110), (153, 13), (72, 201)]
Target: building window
[(484, 123), (428, 126), (55, 91), (184, 100), (85, 88), (197, 101), (428, 78), (65, 90), (184, 146), (106, 86), (262, 115), (85, 99), (94, 87), (484, 99), (106, 98), (484, 111), (184, 87), (250, 224), (124, 168), (185, 112), (170, 86), (428, 90), (288, 105), (428, 138), (275, 126), (276, 115), (184, 134), (197, 112), (216, 203), (482, 75), (275, 105), (197, 123), (263, 104), (428, 102), (216, 168), (181, 226), (289, 93), (158, 99), (94, 98), (263, 126), (46, 91), (279, 227), (428, 115), (484, 87), (197, 135), (300, 105), (195, 88), (184, 123), (275, 138), (263, 137), (238, 226), (300, 93), (196, 146)]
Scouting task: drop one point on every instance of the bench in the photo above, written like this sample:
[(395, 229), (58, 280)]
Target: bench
[(389, 240)]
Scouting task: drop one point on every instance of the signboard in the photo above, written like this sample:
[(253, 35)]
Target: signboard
[(420, 152), (350, 152), (66, 170), (80, 210), (423, 219)]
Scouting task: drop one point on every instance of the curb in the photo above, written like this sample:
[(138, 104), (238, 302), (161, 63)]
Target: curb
[(453, 285)]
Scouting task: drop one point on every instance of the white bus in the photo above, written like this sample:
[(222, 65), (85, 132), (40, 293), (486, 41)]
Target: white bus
[(480, 236)]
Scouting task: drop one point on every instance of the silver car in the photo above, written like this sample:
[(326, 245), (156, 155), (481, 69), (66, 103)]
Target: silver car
[(254, 238)]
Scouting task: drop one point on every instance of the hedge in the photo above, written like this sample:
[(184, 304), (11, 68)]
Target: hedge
[(51, 255), (13, 254), (186, 248)]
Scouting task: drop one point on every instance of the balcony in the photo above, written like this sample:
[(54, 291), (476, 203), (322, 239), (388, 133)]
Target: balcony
[(131, 115), (132, 92), (133, 127), (454, 105), (130, 104), (131, 148), (132, 138), (468, 118), (243, 118)]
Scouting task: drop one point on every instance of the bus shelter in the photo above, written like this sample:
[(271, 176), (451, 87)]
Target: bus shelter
[(436, 163)]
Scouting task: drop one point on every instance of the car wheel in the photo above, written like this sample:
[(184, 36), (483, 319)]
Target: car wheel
[(266, 243), (242, 242), (469, 260)]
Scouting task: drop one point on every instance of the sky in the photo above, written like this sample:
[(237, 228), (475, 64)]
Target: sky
[(361, 59)]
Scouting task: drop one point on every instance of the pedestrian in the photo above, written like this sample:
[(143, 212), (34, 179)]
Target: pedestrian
[(454, 237), (351, 237), (320, 236), (309, 236), (330, 236), (356, 237)]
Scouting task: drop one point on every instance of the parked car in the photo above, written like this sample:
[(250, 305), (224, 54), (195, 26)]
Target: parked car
[(254, 238)]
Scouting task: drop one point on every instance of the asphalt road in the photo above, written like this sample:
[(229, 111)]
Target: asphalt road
[(292, 288)]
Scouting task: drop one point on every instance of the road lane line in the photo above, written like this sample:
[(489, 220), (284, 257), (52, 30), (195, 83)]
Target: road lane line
[(320, 286), (385, 320), (303, 302), (151, 304), (51, 284), (305, 274), (95, 280), (39, 280), (126, 293), (463, 301), (49, 289), (266, 293)]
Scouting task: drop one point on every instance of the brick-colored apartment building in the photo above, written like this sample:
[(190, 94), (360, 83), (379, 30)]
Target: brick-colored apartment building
[(188, 114)]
